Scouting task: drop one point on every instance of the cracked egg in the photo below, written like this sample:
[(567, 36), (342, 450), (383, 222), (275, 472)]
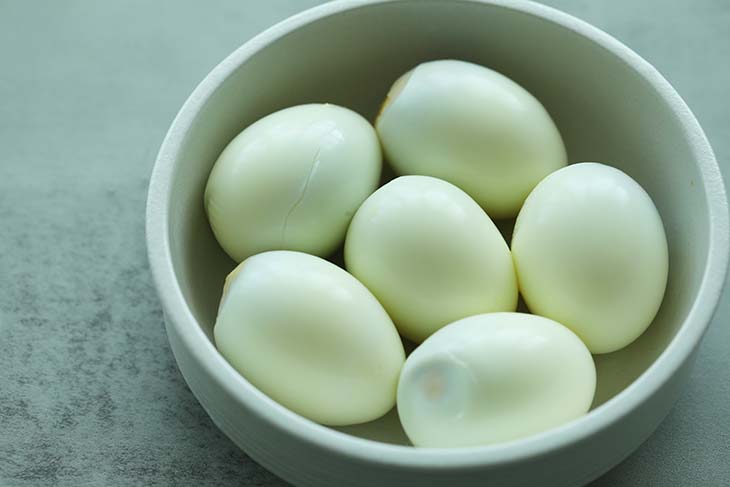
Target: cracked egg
[(292, 180)]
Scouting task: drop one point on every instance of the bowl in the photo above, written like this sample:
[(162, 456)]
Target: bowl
[(610, 105)]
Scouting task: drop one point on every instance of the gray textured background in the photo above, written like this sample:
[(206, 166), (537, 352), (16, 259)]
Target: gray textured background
[(89, 392)]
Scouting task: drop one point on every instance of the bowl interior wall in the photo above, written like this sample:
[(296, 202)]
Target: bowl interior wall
[(606, 111)]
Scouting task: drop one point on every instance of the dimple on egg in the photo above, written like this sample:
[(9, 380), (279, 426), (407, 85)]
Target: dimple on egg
[(492, 378), (311, 337), (430, 255), (292, 180), (473, 127), (590, 252)]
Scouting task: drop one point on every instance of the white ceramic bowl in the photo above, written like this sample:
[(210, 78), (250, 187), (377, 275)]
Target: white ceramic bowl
[(610, 106)]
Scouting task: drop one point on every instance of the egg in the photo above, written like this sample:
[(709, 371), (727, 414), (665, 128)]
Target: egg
[(590, 252), (292, 180), (473, 127), (311, 337), (492, 378), (430, 255)]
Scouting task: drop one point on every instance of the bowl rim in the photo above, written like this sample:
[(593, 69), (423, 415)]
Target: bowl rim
[(181, 319)]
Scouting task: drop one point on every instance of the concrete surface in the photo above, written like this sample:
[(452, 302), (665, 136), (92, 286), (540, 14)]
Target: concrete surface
[(89, 392)]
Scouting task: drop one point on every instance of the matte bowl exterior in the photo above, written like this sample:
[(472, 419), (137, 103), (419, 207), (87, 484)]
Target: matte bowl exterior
[(307, 454)]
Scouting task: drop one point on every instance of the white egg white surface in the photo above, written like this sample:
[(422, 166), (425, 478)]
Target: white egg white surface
[(590, 252), (492, 378), (311, 337), (292, 180), (430, 255), (473, 127)]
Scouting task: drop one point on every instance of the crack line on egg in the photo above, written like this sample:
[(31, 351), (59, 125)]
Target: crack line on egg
[(302, 193)]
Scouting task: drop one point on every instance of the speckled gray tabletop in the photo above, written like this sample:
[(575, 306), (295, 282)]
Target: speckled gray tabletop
[(89, 391)]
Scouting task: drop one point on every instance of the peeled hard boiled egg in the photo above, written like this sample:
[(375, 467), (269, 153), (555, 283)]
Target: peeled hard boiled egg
[(473, 127), (292, 180), (590, 252), (311, 337), (430, 255), (492, 378)]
